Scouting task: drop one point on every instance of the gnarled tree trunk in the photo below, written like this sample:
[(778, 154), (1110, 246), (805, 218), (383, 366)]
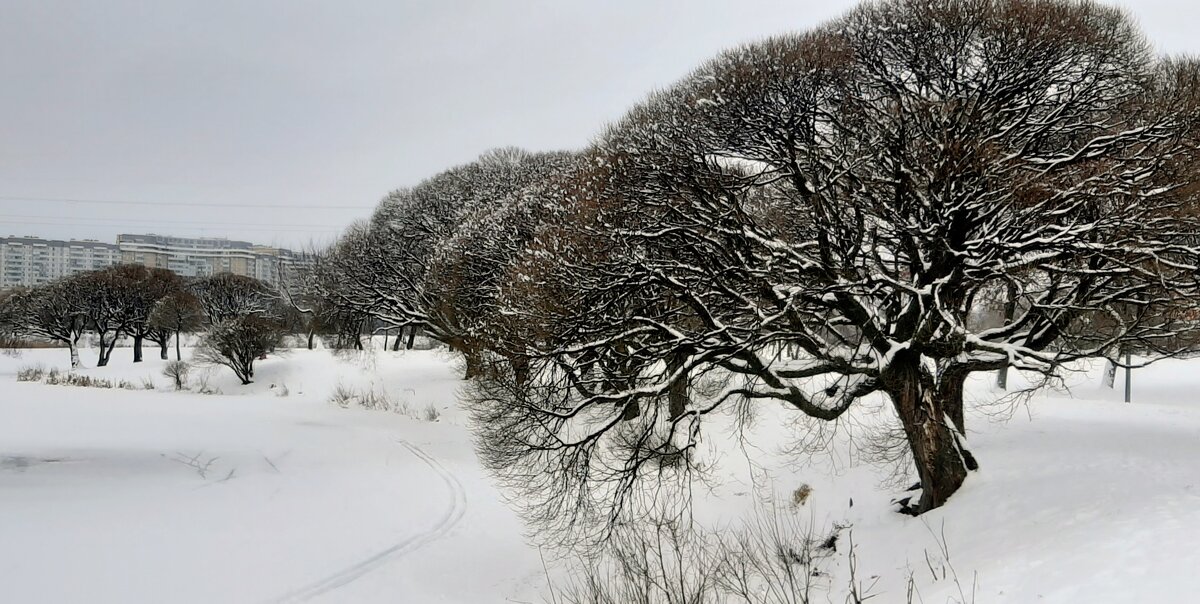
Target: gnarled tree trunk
[(927, 413), (137, 349), (106, 348)]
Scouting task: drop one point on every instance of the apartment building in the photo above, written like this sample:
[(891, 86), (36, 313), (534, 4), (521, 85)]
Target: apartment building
[(202, 256), (28, 261)]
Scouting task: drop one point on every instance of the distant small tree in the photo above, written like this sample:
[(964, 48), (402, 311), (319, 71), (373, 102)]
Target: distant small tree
[(236, 343), (177, 372), (144, 287), (176, 313), (105, 299), (225, 296)]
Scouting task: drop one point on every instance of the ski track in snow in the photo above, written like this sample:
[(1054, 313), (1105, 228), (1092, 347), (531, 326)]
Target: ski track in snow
[(454, 514)]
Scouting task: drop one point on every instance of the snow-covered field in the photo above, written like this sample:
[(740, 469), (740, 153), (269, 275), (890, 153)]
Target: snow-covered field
[(250, 496), (289, 498)]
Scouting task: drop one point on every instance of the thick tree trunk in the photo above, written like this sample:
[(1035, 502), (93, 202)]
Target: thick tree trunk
[(74, 354), (178, 356), (396, 342), (105, 351), (111, 346), (412, 336), (162, 348), (677, 394), (137, 349), (935, 442), (952, 397), (474, 365), (386, 333), (950, 391), (520, 368), (100, 360), (310, 339)]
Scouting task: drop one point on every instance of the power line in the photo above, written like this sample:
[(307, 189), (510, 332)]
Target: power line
[(181, 228), (120, 221), (175, 203)]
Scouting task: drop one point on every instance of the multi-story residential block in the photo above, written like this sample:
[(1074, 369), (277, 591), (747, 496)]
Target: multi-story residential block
[(26, 261), (202, 256)]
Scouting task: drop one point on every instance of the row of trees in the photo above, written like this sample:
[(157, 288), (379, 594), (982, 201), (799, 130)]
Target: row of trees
[(816, 218), (241, 316)]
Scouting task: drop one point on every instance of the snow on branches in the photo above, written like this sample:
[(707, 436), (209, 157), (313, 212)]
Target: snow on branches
[(813, 218)]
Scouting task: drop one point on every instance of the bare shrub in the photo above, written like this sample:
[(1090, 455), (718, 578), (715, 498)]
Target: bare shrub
[(777, 559), (431, 413), (774, 559), (403, 407), (177, 372), (370, 398), (375, 400), (30, 373), (657, 562), (148, 383), (342, 396), (202, 386), (56, 378)]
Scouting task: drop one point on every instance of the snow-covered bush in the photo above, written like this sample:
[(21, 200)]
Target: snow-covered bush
[(236, 343)]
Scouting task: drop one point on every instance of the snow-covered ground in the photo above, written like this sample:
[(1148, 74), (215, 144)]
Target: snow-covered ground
[(287, 499), (249, 496)]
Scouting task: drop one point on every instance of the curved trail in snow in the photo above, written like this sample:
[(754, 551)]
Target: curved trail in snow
[(453, 514)]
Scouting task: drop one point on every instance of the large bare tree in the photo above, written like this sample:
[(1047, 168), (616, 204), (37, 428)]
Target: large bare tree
[(383, 269), (855, 194)]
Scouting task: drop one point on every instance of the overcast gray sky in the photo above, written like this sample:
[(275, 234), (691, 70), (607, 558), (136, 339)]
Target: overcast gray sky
[(290, 103)]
